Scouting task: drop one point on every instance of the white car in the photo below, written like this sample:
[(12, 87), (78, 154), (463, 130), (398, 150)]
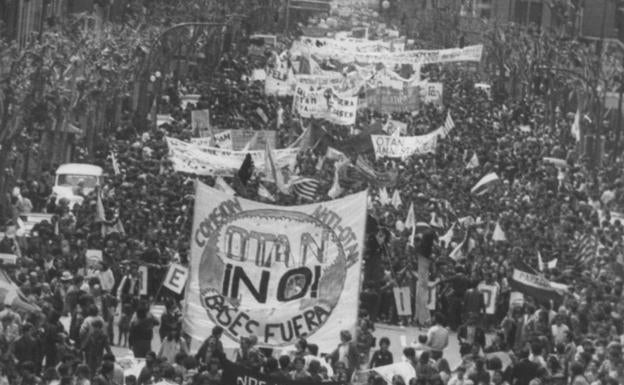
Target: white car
[(72, 177)]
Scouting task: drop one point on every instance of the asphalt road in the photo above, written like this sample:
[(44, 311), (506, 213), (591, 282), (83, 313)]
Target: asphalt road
[(400, 337)]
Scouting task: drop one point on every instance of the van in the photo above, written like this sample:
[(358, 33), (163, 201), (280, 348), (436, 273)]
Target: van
[(73, 181)]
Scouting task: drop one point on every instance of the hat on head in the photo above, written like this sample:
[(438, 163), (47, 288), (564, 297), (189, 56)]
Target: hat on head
[(67, 276)]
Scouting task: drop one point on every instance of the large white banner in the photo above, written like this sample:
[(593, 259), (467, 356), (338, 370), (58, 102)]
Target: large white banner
[(404, 146), (414, 57), (326, 104), (278, 272), (322, 45), (204, 160)]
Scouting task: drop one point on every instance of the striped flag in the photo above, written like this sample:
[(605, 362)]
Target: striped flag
[(484, 184), (449, 124), (306, 188), (586, 249)]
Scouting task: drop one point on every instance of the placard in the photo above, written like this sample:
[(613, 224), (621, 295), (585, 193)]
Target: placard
[(143, 279), (200, 122), (93, 258), (404, 146), (402, 300), (176, 278), (279, 272)]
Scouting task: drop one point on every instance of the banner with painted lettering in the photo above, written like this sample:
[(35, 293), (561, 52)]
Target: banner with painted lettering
[(239, 139), (278, 272), (388, 99), (221, 139), (204, 160), (279, 79), (326, 104), (413, 57), (323, 46), (235, 374), (402, 300), (404, 146)]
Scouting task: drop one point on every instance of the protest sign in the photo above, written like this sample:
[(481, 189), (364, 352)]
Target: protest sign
[(176, 278), (390, 99), (143, 280), (278, 272), (490, 296), (395, 128), (205, 160), (258, 75), (189, 99), (261, 43), (279, 79), (432, 295), (200, 122), (402, 300), (432, 93), (223, 140), (326, 104), (404, 146)]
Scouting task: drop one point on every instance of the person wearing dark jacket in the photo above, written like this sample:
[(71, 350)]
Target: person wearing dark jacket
[(27, 347), (141, 332), (170, 320), (471, 333)]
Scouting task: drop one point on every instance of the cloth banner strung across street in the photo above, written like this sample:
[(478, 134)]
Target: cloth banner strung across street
[(326, 104), (203, 160), (404, 146), (239, 375), (278, 272), (238, 139), (413, 57)]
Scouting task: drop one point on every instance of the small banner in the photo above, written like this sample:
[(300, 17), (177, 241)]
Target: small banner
[(200, 122), (404, 146), (176, 278), (240, 138), (402, 299), (239, 375), (93, 258), (326, 104), (278, 272)]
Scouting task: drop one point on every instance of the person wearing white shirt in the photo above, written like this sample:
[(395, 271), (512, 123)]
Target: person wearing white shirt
[(559, 331)]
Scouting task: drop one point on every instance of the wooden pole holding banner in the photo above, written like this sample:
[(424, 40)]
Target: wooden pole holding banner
[(287, 17)]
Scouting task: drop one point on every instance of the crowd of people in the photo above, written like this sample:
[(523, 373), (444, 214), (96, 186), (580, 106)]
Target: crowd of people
[(553, 212)]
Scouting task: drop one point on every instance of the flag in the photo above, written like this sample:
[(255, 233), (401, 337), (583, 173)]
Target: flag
[(251, 143), (436, 221), (549, 265), (484, 185), (410, 220), (100, 214), (396, 199), (333, 154), (320, 162), (306, 188), (576, 126), (264, 193), (499, 234), (273, 172), (474, 162), (447, 238), (449, 124), (115, 164), (463, 249), (528, 282), (246, 169), (384, 199), (586, 249), (336, 190), (222, 186)]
